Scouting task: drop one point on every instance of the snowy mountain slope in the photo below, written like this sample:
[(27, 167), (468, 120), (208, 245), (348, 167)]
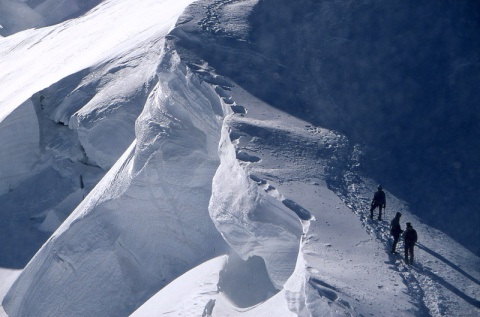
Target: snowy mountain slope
[(16, 16), (98, 70), (280, 192)]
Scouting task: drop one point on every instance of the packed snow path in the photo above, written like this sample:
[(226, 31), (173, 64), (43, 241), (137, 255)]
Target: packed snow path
[(432, 280)]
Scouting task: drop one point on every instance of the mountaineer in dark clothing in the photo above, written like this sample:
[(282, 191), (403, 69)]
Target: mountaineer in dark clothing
[(410, 237), (380, 201), (395, 231)]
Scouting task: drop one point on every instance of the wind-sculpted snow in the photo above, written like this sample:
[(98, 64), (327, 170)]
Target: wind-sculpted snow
[(94, 74), (238, 196), (112, 33), (146, 223), (74, 74), (100, 106), (250, 220)]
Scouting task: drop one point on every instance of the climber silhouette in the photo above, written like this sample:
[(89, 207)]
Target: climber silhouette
[(380, 201)]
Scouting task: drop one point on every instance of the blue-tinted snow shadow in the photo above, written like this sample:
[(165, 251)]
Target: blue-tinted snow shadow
[(449, 263), (19, 241), (447, 285), (425, 271), (21, 211), (63, 12), (246, 283), (301, 212)]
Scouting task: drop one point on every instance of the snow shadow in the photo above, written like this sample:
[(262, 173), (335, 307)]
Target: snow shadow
[(301, 212), (324, 289), (17, 16), (19, 237), (246, 283), (447, 285), (208, 310), (63, 98), (244, 156), (447, 262), (329, 292)]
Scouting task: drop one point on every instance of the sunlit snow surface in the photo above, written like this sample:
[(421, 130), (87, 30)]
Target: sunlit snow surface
[(211, 201)]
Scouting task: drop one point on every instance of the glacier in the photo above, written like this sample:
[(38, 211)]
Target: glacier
[(174, 159)]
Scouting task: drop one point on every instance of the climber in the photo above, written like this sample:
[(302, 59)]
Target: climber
[(379, 201), (395, 231), (410, 237)]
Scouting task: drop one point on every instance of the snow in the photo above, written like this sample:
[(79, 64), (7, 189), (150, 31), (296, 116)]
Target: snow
[(250, 221), (19, 145), (191, 289), (16, 16), (7, 277), (152, 167)]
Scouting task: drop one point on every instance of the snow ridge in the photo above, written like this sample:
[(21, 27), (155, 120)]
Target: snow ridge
[(247, 136), (242, 212), (222, 205)]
